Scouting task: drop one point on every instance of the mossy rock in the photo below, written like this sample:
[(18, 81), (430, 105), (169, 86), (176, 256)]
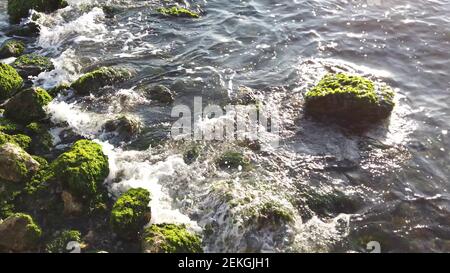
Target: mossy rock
[(9, 194), (28, 105), (16, 165), (11, 48), (58, 89), (32, 65), (170, 238), (98, 78), (131, 212), (331, 203), (59, 243), (9, 127), (178, 12), (123, 128), (271, 214), (82, 170), (10, 81), (30, 29), (18, 9), (349, 98), (19, 233), (42, 140), (23, 141), (233, 160), (160, 93)]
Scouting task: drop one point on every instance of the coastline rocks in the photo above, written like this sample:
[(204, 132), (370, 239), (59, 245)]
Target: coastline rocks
[(349, 98), (98, 78), (28, 105), (16, 165), (23, 141), (131, 212), (61, 240), (160, 93), (11, 48), (18, 9), (233, 160), (32, 65), (177, 12), (42, 140), (10, 81), (124, 128), (170, 238), (82, 170), (19, 233)]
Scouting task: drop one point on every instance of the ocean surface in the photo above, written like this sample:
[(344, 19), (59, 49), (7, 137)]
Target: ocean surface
[(389, 184)]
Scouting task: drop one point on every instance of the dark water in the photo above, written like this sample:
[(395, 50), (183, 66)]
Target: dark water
[(388, 185)]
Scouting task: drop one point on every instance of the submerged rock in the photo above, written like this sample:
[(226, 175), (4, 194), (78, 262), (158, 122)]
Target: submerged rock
[(11, 48), (16, 165), (349, 98), (32, 65), (131, 212), (10, 81), (28, 105), (30, 29), (125, 128), (82, 170), (233, 160), (59, 243), (18, 9), (103, 76), (178, 12), (19, 233), (160, 93), (170, 238)]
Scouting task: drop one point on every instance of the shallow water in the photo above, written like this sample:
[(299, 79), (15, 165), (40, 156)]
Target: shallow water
[(394, 178)]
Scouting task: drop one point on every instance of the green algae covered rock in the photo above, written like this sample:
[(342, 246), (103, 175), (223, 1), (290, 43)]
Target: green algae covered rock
[(233, 160), (16, 165), (82, 170), (170, 238), (60, 241), (19, 233), (103, 76), (18, 9), (177, 12), (32, 65), (124, 128), (23, 141), (42, 140), (160, 93), (11, 48), (28, 105), (349, 98), (9, 127), (131, 212), (10, 81)]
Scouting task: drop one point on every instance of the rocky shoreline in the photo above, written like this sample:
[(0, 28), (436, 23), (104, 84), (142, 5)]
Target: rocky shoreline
[(48, 199)]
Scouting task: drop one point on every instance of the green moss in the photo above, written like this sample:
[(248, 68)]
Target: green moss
[(18, 9), (58, 89), (28, 105), (11, 48), (42, 140), (32, 65), (103, 76), (59, 243), (21, 140), (131, 212), (82, 170), (9, 127), (177, 12), (232, 160), (10, 81), (32, 231), (349, 97), (170, 238), (8, 195)]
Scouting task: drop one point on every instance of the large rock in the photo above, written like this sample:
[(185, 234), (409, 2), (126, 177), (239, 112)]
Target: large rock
[(23, 141), (176, 11), (131, 212), (16, 165), (123, 128), (11, 48), (18, 9), (82, 170), (170, 238), (10, 81), (19, 233), (28, 105), (349, 98), (32, 65), (98, 78)]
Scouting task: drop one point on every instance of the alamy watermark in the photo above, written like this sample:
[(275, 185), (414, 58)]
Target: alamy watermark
[(255, 122)]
